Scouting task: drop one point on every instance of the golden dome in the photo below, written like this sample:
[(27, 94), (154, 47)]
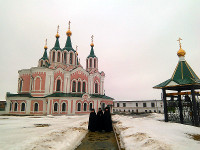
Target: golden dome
[(69, 33), (92, 44), (45, 47), (181, 52), (57, 35)]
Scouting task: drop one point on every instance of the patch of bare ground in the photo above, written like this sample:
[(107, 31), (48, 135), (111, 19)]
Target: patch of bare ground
[(78, 129), (42, 125), (195, 137), (122, 128), (84, 123)]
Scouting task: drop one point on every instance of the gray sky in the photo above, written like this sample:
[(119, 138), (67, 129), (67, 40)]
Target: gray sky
[(135, 40)]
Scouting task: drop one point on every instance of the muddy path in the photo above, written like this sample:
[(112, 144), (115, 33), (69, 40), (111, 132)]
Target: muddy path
[(99, 141)]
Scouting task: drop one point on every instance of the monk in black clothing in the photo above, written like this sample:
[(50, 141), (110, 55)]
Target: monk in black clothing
[(92, 121), (107, 120), (100, 123)]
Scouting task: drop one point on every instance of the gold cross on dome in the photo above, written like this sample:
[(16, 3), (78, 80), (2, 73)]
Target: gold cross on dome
[(69, 24), (46, 42), (76, 47), (179, 40), (58, 29), (92, 38)]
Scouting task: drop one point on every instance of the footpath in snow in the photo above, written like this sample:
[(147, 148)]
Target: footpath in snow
[(152, 133), (42, 132)]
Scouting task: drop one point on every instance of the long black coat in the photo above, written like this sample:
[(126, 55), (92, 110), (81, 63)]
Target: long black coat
[(92, 122), (107, 121), (100, 123)]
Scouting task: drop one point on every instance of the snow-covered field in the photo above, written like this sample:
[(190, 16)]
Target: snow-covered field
[(21, 133), (152, 133), (66, 133)]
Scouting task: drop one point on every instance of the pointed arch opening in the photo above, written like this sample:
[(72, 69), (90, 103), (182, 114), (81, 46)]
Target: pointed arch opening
[(71, 58), (79, 107), (54, 56), (85, 106), (79, 86), (15, 107), (55, 107), (36, 107), (65, 58), (96, 88), (63, 106), (84, 87), (58, 84), (91, 106), (74, 86), (95, 63), (58, 58), (23, 107)]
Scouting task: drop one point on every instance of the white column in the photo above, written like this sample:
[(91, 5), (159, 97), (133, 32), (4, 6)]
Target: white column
[(28, 106)]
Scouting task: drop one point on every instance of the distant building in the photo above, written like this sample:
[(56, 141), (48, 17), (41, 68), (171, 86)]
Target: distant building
[(2, 105), (59, 84), (145, 106)]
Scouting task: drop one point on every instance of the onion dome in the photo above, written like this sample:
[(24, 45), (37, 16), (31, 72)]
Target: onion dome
[(57, 44), (68, 44), (181, 52)]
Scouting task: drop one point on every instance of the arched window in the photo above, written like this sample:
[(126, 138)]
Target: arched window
[(84, 87), (90, 106), (63, 107), (15, 108), (74, 86), (94, 63), (10, 106), (54, 56), (58, 85), (56, 107), (23, 107), (87, 63), (96, 87), (79, 86), (20, 85), (71, 58), (58, 59), (79, 107), (41, 63), (85, 106), (90, 62), (36, 107), (65, 57)]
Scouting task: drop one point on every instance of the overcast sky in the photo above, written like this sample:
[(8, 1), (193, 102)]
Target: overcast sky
[(135, 40)]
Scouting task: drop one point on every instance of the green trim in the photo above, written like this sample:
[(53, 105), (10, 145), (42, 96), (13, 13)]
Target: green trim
[(183, 75)]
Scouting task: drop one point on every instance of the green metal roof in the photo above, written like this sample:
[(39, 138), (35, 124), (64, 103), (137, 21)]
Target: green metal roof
[(59, 95), (92, 53), (183, 75), (57, 45), (44, 57), (68, 45)]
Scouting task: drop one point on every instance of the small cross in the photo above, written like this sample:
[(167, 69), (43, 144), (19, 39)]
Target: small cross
[(76, 47), (57, 28), (92, 38), (46, 42), (69, 24), (179, 40)]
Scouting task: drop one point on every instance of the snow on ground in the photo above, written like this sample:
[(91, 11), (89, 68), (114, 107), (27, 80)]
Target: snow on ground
[(21, 133), (151, 132)]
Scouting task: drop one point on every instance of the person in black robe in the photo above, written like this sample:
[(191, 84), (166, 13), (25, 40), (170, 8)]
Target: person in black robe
[(100, 120), (92, 121), (107, 120)]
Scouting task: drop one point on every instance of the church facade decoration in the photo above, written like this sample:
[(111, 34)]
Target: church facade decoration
[(59, 84)]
